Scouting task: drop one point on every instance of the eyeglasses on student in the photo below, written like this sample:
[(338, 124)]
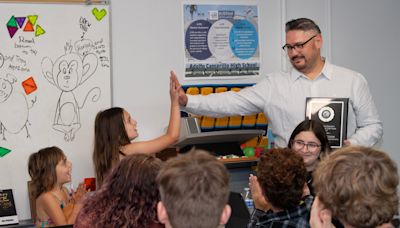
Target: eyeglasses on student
[(299, 144)]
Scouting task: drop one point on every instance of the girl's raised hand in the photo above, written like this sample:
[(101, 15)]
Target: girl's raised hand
[(174, 89)]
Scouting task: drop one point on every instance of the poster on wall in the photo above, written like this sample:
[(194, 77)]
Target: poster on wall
[(221, 41)]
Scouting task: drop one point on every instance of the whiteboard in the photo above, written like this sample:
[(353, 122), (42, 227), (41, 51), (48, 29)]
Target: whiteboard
[(55, 76)]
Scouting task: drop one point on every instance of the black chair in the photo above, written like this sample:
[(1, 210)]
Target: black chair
[(240, 215)]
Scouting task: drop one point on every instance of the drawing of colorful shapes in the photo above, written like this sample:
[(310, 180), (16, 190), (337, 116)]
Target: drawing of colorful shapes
[(29, 85), (12, 22), (12, 31), (99, 14), (4, 151), (28, 27), (12, 26), (39, 31), (33, 19), (30, 23), (20, 21)]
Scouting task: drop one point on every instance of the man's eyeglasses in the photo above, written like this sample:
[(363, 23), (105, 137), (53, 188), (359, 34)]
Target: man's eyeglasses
[(288, 47), (299, 144)]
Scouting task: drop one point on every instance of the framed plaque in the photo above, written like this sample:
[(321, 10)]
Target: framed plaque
[(8, 213), (332, 114)]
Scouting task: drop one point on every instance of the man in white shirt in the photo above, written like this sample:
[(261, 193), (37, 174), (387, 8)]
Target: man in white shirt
[(282, 95)]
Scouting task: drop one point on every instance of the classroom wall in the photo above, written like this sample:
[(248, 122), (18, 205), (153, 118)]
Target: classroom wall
[(365, 37), (148, 41), (150, 44)]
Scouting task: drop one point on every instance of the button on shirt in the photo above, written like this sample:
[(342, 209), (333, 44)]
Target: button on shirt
[(282, 97)]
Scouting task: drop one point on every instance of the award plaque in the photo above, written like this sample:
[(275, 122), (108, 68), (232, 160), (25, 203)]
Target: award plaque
[(8, 213), (332, 114)]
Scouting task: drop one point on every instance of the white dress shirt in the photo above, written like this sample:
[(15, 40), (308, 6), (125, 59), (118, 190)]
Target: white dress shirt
[(282, 97)]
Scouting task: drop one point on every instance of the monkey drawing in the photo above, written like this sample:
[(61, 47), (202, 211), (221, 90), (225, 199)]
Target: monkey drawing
[(14, 108), (67, 73)]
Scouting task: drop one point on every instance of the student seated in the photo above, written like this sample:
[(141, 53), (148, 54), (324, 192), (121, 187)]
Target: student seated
[(115, 129), (358, 186), (55, 205), (194, 190), (309, 140), (281, 176), (127, 198)]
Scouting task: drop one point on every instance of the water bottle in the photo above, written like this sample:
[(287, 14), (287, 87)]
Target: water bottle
[(271, 139), (248, 200)]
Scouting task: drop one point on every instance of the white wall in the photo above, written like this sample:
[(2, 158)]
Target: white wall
[(359, 34), (365, 37)]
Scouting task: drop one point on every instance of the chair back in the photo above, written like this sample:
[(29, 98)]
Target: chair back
[(32, 201)]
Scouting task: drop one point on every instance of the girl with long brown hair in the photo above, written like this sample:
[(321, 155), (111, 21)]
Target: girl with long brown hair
[(55, 205), (115, 129)]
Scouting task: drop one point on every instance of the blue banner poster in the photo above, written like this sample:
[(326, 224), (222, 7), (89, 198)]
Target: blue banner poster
[(221, 41)]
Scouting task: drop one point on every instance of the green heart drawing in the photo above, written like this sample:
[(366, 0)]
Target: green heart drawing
[(99, 14)]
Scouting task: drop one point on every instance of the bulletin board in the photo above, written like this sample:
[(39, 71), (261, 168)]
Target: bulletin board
[(55, 75)]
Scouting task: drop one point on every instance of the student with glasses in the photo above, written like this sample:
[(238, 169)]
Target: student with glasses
[(282, 95), (309, 140)]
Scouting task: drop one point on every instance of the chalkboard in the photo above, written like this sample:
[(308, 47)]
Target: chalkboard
[(55, 75)]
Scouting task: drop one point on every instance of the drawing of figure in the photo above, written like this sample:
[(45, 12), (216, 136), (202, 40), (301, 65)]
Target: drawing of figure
[(1, 60), (14, 108), (67, 73)]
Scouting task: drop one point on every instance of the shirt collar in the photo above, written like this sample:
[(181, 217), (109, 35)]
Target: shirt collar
[(326, 72)]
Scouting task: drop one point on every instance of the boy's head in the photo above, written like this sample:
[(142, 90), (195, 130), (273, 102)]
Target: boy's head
[(194, 189), (282, 177), (358, 185)]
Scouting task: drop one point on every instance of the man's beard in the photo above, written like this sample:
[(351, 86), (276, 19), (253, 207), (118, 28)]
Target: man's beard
[(296, 66)]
